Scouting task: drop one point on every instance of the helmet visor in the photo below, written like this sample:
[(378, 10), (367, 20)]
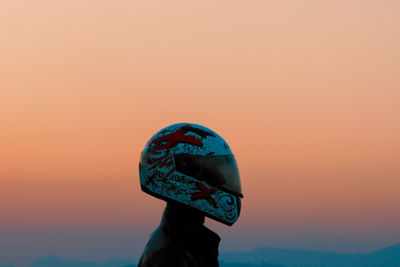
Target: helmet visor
[(220, 171)]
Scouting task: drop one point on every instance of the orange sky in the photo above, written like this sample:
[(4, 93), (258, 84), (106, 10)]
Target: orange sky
[(307, 93)]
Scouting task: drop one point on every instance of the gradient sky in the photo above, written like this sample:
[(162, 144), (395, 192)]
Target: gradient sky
[(307, 94)]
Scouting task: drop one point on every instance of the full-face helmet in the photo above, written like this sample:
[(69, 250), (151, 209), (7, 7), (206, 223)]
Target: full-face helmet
[(192, 165)]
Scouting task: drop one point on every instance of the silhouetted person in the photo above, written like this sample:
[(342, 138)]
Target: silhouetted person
[(194, 170), (181, 240)]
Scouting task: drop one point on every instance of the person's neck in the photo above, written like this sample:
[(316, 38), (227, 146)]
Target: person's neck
[(181, 213)]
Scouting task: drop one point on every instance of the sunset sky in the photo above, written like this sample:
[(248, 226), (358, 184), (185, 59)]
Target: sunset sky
[(307, 94)]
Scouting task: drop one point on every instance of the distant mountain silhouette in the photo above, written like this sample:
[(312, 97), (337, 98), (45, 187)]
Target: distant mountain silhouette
[(223, 264), (236, 264), (388, 257), (59, 262), (262, 257)]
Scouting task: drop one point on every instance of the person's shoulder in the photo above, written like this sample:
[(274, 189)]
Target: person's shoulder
[(170, 255), (163, 250)]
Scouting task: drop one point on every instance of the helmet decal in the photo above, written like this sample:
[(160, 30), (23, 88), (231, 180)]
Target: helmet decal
[(159, 177), (174, 138), (170, 140), (219, 204), (204, 193)]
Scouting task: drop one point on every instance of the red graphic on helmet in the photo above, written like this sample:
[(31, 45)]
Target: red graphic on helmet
[(170, 140), (179, 136), (162, 161), (166, 142), (173, 139), (204, 193)]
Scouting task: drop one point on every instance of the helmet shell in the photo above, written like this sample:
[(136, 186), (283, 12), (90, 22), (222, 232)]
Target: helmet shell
[(190, 164)]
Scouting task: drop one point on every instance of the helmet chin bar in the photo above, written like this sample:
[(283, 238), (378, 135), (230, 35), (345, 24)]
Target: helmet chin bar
[(215, 203)]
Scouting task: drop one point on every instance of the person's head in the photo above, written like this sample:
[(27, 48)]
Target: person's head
[(190, 164)]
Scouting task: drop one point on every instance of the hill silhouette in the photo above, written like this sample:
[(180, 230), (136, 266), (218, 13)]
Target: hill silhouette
[(262, 257), (59, 262), (388, 257), (224, 264)]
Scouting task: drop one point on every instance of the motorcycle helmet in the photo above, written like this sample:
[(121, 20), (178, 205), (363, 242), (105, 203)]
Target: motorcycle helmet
[(190, 164)]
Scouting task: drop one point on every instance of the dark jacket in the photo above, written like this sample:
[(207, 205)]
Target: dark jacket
[(181, 240)]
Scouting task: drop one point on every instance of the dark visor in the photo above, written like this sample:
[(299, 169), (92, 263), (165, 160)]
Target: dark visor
[(219, 171)]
